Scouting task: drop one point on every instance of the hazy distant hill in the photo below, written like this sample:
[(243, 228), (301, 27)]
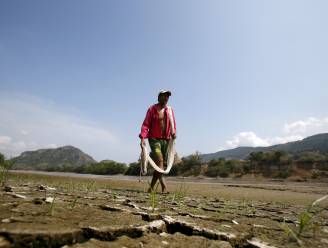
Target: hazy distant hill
[(45, 158), (317, 142)]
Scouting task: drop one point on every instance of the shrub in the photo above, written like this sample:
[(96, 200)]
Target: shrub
[(112, 167), (107, 167), (133, 169), (220, 167), (212, 171), (190, 165), (4, 167)]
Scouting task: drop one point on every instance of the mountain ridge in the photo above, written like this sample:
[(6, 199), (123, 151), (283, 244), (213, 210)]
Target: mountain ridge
[(46, 157), (317, 142)]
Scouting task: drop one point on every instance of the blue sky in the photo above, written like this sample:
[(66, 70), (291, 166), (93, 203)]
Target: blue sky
[(84, 73)]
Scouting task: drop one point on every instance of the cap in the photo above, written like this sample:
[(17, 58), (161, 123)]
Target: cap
[(164, 92)]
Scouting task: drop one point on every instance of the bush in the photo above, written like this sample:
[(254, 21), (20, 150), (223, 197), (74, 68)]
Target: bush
[(107, 167), (174, 170), (133, 169), (212, 171), (2, 159), (283, 174), (223, 172), (314, 175), (4, 167), (220, 167), (111, 167), (190, 165)]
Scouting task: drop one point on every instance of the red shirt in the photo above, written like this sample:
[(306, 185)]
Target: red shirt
[(152, 128)]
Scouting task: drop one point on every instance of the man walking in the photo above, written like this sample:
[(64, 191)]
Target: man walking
[(157, 128)]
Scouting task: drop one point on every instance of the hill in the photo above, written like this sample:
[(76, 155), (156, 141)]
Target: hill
[(56, 157), (315, 143)]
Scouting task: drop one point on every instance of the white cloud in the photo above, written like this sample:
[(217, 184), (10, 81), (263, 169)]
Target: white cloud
[(250, 138), (29, 123), (284, 139), (291, 132), (246, 139), (309, 125)]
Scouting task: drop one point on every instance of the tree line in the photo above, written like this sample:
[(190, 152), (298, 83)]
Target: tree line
[(273, 164)]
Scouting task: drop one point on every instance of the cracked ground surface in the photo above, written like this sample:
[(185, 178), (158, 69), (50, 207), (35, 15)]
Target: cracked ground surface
[(57, 211)]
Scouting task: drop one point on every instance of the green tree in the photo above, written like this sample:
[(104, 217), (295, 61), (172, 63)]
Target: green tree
[(4, 168), (109, 168), (256, 160), (2, 159), (219, 167), (133, 169), (190, 165)]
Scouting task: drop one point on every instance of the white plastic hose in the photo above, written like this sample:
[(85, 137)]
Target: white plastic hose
[(145, 158)]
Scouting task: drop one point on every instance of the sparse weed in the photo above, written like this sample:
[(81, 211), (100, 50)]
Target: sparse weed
[(220, 213), (71, 187), (73, 204), (179, 193), (107, 187), (305, 220), (289, 232), (146, 186), (315, 227), (264, 237), (153, 197), (52, 206), (197, 210), (114, 195), (90, 186)]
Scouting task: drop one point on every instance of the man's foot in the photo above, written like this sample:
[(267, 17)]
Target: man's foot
[(164, 191)]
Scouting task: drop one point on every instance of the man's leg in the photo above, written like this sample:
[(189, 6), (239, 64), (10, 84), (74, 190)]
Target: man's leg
[(155, 146), (162, 182), (156, 176), (164, 147)]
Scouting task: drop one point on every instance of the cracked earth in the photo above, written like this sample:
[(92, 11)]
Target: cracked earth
[(44, 211)]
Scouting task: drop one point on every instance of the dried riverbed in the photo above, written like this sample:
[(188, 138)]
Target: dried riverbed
[(57, 211)]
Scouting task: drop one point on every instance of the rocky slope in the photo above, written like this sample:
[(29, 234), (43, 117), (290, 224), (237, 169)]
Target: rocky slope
[(45, 158)]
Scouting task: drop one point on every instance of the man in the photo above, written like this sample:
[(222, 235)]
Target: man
[(157, 128)]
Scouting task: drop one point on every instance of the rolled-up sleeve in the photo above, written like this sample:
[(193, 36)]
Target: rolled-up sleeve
[(145, 125), (174, 131)]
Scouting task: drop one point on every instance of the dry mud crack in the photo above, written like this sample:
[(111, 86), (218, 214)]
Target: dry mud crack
[(77, 215)]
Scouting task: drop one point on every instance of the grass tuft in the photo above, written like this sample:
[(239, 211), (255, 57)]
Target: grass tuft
[(305, 221), (153, 197)]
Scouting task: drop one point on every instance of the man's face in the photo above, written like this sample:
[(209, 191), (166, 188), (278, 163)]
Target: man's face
[(163, 99)]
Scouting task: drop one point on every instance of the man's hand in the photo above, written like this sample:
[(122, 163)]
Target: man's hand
[(174, 136), (142, 143)]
